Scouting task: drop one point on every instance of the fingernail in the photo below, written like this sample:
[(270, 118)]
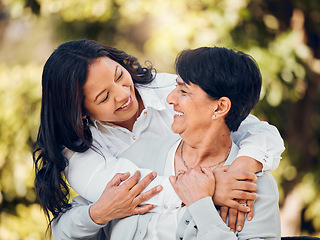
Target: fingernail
[(232, 230), (154, 174), (249, 218), (248, 209), (239, 228), (159, 188)]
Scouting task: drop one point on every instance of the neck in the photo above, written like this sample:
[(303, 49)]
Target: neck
[(211, 149)]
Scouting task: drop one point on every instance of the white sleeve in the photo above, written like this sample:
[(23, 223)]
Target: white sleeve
[(75, 223), (88, 174), (259, 140), (207, 221)]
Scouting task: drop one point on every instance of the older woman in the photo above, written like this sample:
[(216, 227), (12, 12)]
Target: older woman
[(216, 90)]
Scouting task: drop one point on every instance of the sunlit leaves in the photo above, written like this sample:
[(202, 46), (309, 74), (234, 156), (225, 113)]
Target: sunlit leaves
[(19, 107)]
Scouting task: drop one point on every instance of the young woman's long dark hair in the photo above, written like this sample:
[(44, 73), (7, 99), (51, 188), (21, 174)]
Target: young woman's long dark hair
[(62, 110)]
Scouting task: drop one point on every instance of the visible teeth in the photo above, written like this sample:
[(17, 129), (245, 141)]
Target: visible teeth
[(178, 113), (127, 103)]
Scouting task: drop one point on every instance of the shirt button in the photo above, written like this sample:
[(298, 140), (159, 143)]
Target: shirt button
[(165, 207), (186, 222), (134, 137)]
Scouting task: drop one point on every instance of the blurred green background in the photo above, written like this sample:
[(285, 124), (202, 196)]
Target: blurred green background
[(283, 36)]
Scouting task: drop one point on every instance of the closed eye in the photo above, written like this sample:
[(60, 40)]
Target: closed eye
[(120, 76), (105, 99)]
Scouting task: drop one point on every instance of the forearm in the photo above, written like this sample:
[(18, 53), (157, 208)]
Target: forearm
[(75, 223), (244, 163), (208, 223), (89, 174)]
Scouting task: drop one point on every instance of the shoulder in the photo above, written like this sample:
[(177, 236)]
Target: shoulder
[(149, 152), (161, 82), (164, 79), (151, 145)]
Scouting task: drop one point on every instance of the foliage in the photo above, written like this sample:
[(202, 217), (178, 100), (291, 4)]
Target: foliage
[(283, 36), (19, 97)]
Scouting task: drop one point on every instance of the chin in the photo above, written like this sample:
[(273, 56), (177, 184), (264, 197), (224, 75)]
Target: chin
[(175, 129)]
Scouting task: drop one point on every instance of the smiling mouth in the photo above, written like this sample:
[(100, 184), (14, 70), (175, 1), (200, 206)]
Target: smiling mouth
[(178, 113), (126, 104)]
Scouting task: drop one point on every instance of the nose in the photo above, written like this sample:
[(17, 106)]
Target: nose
[(122, 92), (172, 97)]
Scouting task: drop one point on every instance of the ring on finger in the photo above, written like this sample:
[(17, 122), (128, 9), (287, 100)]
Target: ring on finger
[(180, 172), (244, 204)]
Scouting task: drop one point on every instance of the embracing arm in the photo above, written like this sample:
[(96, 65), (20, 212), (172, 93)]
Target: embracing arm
[(84, 220), (75, 223), (88, 174), (260, 141)]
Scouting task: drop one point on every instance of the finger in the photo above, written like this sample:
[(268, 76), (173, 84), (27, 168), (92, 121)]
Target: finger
[(132, 181), (143, 209), (237, 206), (250, 204), (147, 195), (140, 186), (173, 180), (224, 213), (244, 175), (245, 186), (180, 173), (233, 213), (207, 171), (240, 221), (118, 178), (237, 194)]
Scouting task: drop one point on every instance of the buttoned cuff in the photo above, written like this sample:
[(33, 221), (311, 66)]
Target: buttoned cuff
[(86, 221), (259, 155)]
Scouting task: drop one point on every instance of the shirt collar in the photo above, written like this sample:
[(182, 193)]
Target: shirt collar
[(233, 154)]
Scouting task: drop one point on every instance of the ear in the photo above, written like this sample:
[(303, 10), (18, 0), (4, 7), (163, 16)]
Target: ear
[(222, 108)]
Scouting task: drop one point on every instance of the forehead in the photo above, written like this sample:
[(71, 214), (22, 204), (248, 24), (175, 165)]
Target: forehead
[(189, 85), (101, 65), (101, 73)]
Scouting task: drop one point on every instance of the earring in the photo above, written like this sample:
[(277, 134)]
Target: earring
[(213, 116), (85, 122)]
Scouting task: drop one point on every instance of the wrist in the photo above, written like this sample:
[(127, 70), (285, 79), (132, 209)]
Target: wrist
[(96, 216)]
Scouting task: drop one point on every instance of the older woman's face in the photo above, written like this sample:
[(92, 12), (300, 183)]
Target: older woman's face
[(193, 109)]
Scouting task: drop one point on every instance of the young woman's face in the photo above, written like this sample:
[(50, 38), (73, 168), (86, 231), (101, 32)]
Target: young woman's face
[(109, 92), (193, 109)]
